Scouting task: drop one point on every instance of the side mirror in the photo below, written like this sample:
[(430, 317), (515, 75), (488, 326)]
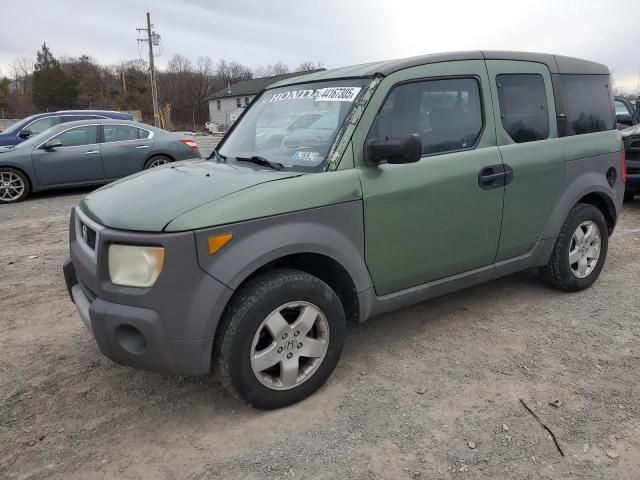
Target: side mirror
[(52, 145), (624, 119), (396, 149), (24, 134)]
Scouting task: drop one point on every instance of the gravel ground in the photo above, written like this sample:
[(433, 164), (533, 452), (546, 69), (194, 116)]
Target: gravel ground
[(432, 391)]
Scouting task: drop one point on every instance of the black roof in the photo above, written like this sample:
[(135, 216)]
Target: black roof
[(555, 63), (255, 85)]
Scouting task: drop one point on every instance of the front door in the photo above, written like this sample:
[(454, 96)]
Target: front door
[(440, 216), (77, 160), (527, 138), (125, 149)]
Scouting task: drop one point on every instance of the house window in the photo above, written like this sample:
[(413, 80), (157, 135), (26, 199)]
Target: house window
[(218, 105), (246, 101), (238, 102)]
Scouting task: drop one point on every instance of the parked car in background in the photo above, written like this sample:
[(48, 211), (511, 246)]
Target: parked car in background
[(87, 152), (626, 112), (317, 133), (35, 124), (441, 172), (273, 133), (631, 139)]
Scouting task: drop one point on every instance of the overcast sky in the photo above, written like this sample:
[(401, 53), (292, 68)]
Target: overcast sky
[(334, 32)]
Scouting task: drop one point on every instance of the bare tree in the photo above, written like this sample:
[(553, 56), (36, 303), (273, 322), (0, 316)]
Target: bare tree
[(270, 70), (307, 66)]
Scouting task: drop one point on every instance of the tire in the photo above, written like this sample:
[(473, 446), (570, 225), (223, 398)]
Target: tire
[(629, 196), (248, 327), (559, 273), (156, 161), (14, 185)]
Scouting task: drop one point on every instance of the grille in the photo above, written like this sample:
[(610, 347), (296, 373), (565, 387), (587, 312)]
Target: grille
[(88, 235)]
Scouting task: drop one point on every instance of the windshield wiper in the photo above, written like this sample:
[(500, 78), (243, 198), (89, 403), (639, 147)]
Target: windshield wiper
[(261, 161)]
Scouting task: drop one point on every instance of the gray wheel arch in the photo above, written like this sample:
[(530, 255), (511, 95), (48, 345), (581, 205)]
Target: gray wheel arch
[(335, 233), (589, 187)]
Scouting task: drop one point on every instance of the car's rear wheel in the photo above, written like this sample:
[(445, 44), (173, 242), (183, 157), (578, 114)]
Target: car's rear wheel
[(14, 185), (280, 339), (156, 161), (580, 250)]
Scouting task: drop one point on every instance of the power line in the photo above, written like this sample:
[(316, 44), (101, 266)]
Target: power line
[(152, 39)]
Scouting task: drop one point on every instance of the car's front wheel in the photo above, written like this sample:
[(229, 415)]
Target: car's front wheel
[(280, 339), (14, 185), (580, 250)]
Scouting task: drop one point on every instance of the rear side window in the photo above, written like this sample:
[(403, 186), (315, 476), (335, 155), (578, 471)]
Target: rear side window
[(143, 133), (523, 107), (447, 114), (588, 103), (122, 133)]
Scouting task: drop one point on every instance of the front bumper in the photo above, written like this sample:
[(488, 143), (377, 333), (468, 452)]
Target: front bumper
[(168, 327)]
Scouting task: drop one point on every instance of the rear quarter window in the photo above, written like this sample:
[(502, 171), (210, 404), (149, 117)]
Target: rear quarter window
[(588, 103), (523, 107)]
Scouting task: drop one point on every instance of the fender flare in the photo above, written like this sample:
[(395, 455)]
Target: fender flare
[(336, 232), (583, 185)]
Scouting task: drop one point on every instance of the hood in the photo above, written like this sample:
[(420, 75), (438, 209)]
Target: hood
[(149, 200)]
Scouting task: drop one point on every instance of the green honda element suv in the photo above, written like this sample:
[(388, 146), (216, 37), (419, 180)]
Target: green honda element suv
[(419, 177)]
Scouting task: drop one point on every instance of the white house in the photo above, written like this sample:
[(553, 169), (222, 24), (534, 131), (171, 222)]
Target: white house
[(226, 105)]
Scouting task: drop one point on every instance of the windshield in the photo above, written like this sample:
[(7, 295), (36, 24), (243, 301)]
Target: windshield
[(295, 125), (17, 126)]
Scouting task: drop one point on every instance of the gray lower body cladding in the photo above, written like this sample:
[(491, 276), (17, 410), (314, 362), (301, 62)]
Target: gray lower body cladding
[(169, 327)]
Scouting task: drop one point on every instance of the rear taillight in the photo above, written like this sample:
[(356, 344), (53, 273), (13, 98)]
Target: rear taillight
[(190, 143), (623, 166)]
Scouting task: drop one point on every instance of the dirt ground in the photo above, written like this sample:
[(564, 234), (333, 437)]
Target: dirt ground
[(430, 392)]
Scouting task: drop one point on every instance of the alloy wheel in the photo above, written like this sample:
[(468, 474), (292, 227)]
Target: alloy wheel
[(584, 250), (289, 345), (11, 186), (156, 162)]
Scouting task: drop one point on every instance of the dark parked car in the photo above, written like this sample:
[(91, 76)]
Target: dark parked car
[(626, 112), (87, 152), (35, 124), (631, 139)]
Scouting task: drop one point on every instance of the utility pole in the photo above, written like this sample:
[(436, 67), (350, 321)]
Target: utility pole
[(152, 38)]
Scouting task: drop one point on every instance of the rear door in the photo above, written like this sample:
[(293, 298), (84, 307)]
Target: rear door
[(124, 149), (528, 141), (77, 160)]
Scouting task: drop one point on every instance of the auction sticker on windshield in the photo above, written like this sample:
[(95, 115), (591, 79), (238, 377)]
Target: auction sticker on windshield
[(306, 156), (329, 94)]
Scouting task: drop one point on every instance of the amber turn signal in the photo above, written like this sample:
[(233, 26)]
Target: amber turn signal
[(218, 241)]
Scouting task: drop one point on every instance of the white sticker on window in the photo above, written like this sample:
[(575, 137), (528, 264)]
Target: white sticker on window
[(337, 94), (330, 94), (306, 156)]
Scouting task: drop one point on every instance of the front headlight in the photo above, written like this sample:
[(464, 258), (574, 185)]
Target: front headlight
[(133, 266)]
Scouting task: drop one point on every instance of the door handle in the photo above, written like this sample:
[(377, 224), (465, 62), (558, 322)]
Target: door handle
[(142, 146), (491, 177), (91, 152), (495, 176)]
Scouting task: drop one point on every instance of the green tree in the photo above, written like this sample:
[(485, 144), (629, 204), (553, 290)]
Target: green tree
[(52, 89)]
